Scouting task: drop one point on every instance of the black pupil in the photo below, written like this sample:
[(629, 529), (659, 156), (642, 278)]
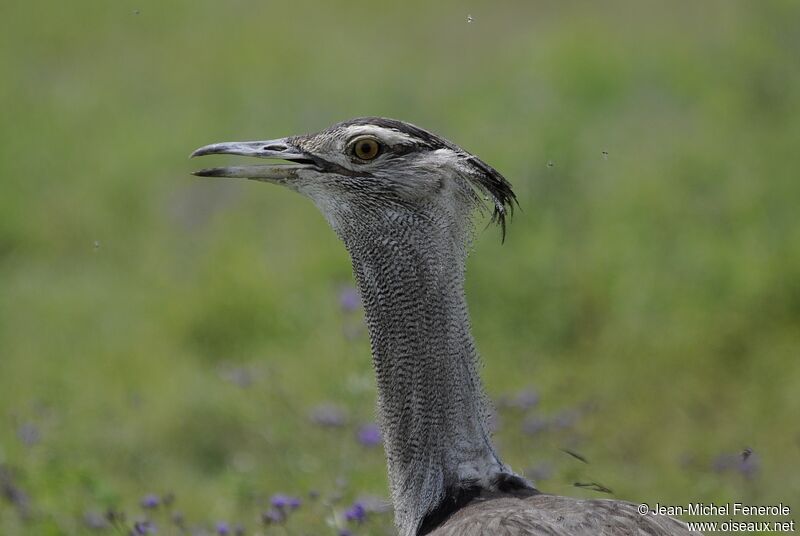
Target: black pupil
[(366, 148)]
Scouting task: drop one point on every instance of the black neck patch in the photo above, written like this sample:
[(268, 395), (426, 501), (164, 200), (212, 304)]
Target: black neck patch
[(506, 486), (449, 505)]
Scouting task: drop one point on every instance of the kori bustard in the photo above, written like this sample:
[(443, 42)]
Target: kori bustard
[(402, 200)]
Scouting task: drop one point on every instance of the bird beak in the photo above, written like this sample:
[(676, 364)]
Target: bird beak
[(279, 148)]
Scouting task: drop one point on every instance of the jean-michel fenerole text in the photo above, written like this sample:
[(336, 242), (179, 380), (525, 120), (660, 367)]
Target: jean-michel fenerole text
[(724, 509)]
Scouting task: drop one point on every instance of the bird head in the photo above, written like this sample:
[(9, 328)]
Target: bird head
[(376, 166)]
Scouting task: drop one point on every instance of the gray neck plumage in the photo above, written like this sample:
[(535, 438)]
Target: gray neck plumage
[(431, 405)]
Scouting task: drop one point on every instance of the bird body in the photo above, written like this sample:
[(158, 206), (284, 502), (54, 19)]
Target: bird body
[(556, 516), (402, 200)]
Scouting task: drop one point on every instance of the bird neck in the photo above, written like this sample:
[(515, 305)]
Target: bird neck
[(431, 405)]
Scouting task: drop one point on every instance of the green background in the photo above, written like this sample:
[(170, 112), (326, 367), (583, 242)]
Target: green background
[(161, 333)]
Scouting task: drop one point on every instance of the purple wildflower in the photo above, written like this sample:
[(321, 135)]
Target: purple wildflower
[(345, 532), (723, 462), (238, 376), (749, 466), (10, 491), (95, 521), (356, 513), (282, 501), (565, 419), (279, 501), (526, 398), (746, 466), (369, 435), (328, 415), (150, 501), (223, 529), (374, 505), (349, 300), (534, 425), (29, 434), (141, 528), (273, 516)]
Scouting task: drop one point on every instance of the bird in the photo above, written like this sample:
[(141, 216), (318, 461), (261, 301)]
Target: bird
[(404, 201)]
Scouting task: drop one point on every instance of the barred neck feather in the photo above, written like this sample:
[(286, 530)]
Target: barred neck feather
[(431, 405)]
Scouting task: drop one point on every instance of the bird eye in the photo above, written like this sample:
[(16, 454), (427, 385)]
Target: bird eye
[(366, 148)]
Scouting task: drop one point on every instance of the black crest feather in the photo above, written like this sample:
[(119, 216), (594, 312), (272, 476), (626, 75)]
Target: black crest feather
[(493, 183)]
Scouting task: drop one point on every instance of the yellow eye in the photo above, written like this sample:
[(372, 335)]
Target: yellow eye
[(366, 148)]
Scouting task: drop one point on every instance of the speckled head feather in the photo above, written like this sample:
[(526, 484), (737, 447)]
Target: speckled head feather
[(485, 178)]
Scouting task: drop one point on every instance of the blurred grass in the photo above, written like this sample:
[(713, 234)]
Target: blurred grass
[(657, 284)]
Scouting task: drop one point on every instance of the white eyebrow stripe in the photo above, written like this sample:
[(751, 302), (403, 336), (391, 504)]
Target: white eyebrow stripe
[(387, 135)]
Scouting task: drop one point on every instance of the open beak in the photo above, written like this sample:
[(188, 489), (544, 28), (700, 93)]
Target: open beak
[(280, 149)]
